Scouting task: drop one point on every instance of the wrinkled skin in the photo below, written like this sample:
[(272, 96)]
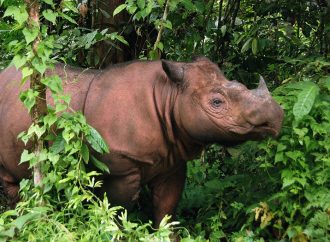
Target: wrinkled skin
[(155, 116)]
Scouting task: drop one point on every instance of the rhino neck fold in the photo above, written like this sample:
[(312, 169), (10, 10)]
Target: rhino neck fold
[(165, 94)]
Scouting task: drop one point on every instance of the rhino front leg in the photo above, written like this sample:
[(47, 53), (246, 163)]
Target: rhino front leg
[(166, 193), (122, 185)]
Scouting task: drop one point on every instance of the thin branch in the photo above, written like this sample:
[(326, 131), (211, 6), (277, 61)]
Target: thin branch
[(161, 28)]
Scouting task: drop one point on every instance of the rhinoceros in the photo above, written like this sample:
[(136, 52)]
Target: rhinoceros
[(154, 115)]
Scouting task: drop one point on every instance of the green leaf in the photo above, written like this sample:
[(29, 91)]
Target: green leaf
[(101, 166), (121, 39), (54, 83), (167, 24), (21, 220), (49, 2), (188, 4), (85, 152), (26, 72), (327, 83), (120, 8), (39, 130), (67, 17), (30, 34), (246, 45), (141, 3), (223, 29), (50, 119), (160, 46), (18, 13), (26, 156), (254, 46), (60, 107), (96, 141), (50, 15), (39, 65), (88, 39), (19, 61), (8, 233), (58, 144), (28, 97), (305, 101)]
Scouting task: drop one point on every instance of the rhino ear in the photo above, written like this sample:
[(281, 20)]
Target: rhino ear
[(174, 70)]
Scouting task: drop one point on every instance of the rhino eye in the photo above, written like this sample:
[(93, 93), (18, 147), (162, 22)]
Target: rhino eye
[(216, 102)]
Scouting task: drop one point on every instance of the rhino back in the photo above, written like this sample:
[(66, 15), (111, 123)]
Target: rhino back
[(122, 106)]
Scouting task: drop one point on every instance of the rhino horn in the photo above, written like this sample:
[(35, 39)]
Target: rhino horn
[(262, 87), (261, 90)]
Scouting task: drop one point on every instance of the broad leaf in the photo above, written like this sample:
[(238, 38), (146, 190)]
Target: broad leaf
[(54, 83), (103, 167), (246, 45), (58, 144), (19, 61), (305, 101), (28, 97), (85, 153), (26, 72), (96, 141), (21, 220), (30, 34), (39, 65), (26, 156), (120, 8), (18, 13), (67, 17), (50, 2), (50, 15)]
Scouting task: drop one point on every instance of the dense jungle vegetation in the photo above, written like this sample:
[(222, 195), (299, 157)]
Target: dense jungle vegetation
[(273, 190)]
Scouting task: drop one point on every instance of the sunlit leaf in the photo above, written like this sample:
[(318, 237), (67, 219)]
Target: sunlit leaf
[(19, 13), (120, 8), (96, 141), (305, 100), (19, 61), (50, 15), (26, 156), (30, 34)]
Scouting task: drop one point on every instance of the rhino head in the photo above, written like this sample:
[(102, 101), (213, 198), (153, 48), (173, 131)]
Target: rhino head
[(212, 109)]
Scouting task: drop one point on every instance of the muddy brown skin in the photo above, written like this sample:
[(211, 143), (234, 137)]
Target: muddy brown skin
[(155, 116)]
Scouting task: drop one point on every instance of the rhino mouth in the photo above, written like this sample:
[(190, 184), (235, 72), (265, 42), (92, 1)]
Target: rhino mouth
[(265, 129), (256, 132)]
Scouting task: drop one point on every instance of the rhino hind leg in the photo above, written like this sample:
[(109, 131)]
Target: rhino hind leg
[(10, 187)]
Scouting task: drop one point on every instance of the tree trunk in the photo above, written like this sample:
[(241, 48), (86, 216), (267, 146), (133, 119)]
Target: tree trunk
[(40, 107)]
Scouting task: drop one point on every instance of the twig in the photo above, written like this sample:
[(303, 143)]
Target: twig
[(161, 28)]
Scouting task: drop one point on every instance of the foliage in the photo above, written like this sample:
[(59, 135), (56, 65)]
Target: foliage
[(266, 191), (63, 207), (274, 190)]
